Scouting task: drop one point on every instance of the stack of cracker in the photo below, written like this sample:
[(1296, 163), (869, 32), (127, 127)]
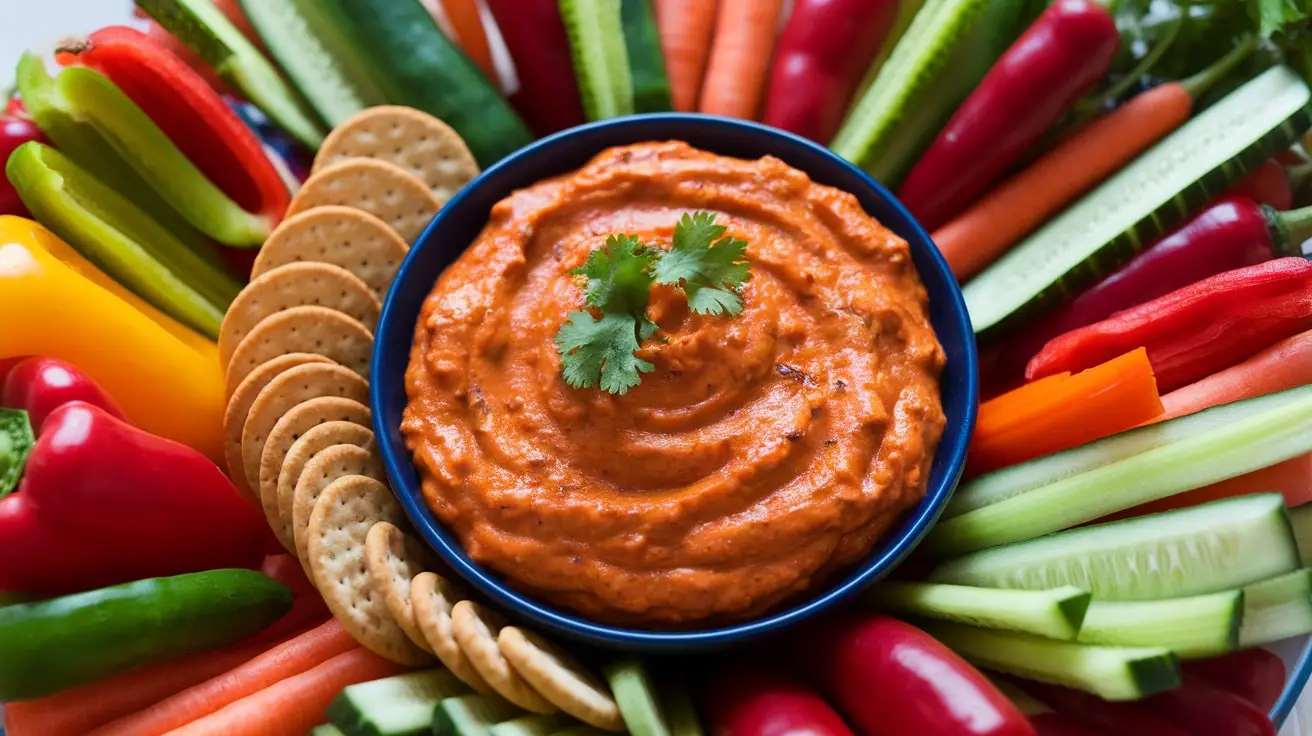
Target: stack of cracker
[(296, 345)]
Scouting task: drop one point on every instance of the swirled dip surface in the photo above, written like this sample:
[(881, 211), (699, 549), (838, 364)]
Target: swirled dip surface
[(765, 451)]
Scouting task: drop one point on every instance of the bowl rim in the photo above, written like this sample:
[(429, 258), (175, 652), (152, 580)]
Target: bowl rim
[(909, 531)]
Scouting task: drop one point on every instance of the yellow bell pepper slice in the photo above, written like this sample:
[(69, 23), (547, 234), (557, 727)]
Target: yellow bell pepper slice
[(166, 378)]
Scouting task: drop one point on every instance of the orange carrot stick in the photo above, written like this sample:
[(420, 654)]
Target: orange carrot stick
[(78, 711), (296, 704), (1292, 478), (981, 234), (1064, 411), (470, 34), (1285, 365), (288, 659), (685, 27), (740, 57)]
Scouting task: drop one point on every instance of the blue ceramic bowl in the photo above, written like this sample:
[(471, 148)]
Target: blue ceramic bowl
[(464, 216)]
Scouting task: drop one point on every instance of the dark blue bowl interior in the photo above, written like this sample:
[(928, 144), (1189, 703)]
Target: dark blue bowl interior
[(460, 222)]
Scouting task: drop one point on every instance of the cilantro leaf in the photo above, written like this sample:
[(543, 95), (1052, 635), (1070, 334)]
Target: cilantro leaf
[(601, 351), (709, 266), (618, 275)]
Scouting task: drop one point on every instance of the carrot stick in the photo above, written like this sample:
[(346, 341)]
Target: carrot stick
[(78, 711), (685, 27), (981, 234), (288, 659), (1064, 411), (470, 35), (1292, 478), (296, 704), (740, 57), (1285, 365)]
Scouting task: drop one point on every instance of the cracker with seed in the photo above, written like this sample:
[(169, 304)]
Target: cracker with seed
[(342, 236), (412, 139), (317, 330), (285, 391), (394, 559), (431, 599), (382, 189), (325, 467), (476, 631), (339, 526), (296, 285), (559, 678), (281, 462), (239, 405)]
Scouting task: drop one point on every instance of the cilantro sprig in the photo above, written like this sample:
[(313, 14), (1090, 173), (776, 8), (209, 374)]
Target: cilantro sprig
[(702, 261)]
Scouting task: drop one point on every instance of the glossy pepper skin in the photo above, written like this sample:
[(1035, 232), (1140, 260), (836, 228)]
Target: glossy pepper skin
[(41, 385), (1053, 64), (1205, 710), (548, 96), (165, 377), (1231, 233), (1122, 719), (189, 112), (14, 132), (1196, 331), (923, 687), (748, 697), (142, 505), (1256, 675), (822, 54)]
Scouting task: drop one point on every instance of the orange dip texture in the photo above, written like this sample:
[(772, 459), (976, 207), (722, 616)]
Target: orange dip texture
[(765, 452)]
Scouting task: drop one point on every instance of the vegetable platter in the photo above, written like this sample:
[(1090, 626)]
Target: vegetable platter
[(203, 210)]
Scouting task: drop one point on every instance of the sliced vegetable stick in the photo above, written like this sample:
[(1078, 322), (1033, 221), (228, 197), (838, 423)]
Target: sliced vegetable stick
[(470, 34), (286, 660), (1292, 478), (1052, 415), (1282, 366), (740, 57), (686, 27), (296, 704)]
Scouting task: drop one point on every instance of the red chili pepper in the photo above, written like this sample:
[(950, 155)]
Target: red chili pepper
[(42, 385), (1256, 675), (748, 697), (923, 687), (1055, 724), (548, 96), (822, 54), (1231, 233), (14, 132), (1268, 184), (1196, 331), (102, 502), (1122, 719), (1051, 66), (189, 112), (1204, 710)]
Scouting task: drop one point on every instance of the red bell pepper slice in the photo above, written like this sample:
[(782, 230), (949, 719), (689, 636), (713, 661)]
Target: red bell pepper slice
[(1256, 675), (14, 132), (746, 697), (189, 112), (42, 385)]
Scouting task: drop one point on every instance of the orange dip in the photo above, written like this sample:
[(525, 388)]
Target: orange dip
[(766, 451)]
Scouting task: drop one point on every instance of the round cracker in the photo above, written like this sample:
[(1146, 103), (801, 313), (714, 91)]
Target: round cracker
[(394, 559), (296, 285), (325, 467), (559, 678), (281, 462), (476, 631), (341, 521), (382, 189), (285, 391), (317, 330), (357, 241), (431, 599), (239, 405), (302, 418), (412, 139)]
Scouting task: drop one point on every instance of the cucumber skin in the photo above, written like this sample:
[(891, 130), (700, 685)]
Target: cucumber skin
[(1056, 614), (102, 632), (1301, 520), (352, 712), (1162, 623), (412, 61), (450, 714), (1277, 608), (608, 16), (651, 86), (1129, 243), (1146, 670)]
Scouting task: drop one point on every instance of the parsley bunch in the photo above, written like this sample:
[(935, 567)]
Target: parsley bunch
[(702, 261)]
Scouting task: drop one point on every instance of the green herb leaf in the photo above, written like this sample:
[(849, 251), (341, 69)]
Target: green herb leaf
[(709, 266), (619, 278), (601, 351), (16, 441)]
